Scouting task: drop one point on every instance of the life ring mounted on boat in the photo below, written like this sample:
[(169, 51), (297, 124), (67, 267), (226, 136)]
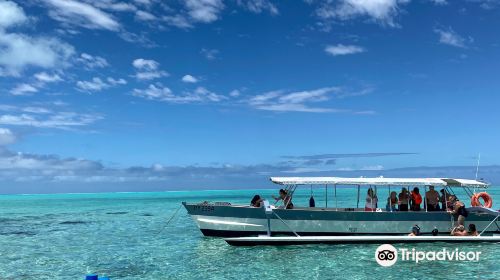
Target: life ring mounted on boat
[(488, 201)]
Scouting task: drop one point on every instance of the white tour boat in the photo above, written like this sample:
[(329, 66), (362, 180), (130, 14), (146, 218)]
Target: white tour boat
[(228, 220)]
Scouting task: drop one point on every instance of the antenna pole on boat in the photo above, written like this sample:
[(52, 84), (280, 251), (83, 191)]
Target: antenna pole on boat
[(477, 166)]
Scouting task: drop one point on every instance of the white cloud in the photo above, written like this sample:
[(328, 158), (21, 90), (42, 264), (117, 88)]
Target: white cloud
[(178, 21), (308, 95), (114, 6), (165, 94), (205, 94), (45, 165), (343, 49), (145, 16), (26, 109), (189, 79), (60, 120), (97, 84), (439, 2), (147, 69), (154, 92), (235, 93), (294, 101), (19, 51), (144, 2), (258, 6), (23, 89), (114, 82), (381, 11), (145, 64), (450, 37), (294, 108), (377, 167), (300, 101), (92, 62), (209, 54), (82, 14), (44, 77), (6, 136), (205, 11), (11, 14), (486, 4)]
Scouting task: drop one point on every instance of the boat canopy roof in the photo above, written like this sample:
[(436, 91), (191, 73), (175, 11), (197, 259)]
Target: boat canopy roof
[(379, 181)]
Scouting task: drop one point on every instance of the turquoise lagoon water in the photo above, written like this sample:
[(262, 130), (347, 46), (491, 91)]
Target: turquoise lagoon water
[(126, 236)]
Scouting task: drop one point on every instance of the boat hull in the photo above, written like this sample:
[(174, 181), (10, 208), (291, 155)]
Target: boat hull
[(237, 221), (282, 241)]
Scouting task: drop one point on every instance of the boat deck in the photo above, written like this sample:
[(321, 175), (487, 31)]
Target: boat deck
[(384, 239)]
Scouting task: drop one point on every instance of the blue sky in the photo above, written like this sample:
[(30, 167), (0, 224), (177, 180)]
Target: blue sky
[(150, 95)]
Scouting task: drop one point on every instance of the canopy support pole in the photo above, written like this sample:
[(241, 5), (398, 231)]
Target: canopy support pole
[(296, 234), (489, 224), (425, 198), (357, 204), (390, 199), (336, 209), (326, 196)]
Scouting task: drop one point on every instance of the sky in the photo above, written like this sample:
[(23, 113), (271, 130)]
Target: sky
[(150, 95)]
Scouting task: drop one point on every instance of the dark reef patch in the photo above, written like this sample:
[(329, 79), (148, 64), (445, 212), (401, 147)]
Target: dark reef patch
[(73, 222), (116, 213)]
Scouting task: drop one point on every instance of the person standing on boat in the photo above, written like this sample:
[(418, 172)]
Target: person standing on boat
[(432, 199), (392, 201), (458, 210), (444, 199), (415, 200), (403, 200), (287, 200), (371, 200)]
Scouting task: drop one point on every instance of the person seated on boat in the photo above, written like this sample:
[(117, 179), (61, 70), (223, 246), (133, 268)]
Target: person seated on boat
[(256, 201), (392, 201), (432, 199), (473, 230), (458, 210), (371, 201), (459, 231), (403, 200), (287, 200), (415, 231), (415, 199)]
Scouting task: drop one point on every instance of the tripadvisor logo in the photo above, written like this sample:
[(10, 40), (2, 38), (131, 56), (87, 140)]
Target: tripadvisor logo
[(387, 255)]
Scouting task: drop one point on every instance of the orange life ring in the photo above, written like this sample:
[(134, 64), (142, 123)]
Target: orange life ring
[(488, 201)]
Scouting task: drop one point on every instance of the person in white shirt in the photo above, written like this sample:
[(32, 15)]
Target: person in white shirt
[(371, 200)]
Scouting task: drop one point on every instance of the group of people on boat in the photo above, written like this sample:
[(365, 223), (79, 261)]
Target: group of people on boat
[(258, 201), (405, 200)]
